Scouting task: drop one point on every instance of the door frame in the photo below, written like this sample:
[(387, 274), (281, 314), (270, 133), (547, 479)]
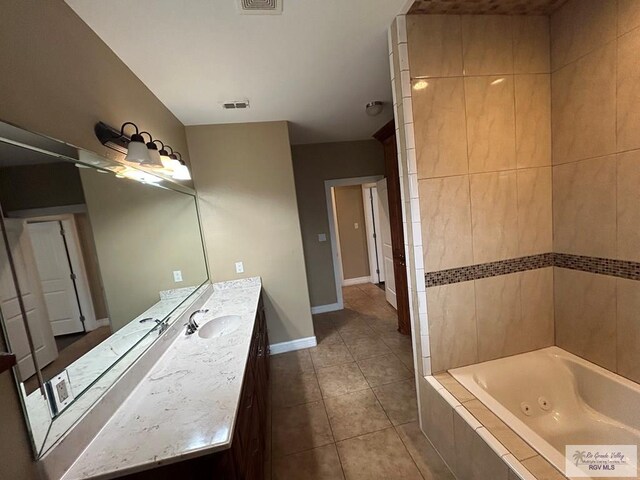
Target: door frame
[(333, 229), (77, 263)]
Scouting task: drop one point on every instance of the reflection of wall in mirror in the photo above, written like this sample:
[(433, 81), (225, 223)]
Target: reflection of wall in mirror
[(142, 234)]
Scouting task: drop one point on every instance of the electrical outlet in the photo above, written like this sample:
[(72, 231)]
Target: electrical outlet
[(356, 226), (239, 267), (177, 275), (322, 237), (59, 392)]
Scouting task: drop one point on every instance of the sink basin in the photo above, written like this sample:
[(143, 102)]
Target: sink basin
[(216, 327)]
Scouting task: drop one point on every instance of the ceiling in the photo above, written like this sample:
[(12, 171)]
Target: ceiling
[(317, 65), (480, 7)]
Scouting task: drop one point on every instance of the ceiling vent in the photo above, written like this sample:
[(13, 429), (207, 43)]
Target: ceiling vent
[(237, 105), (260, 7)]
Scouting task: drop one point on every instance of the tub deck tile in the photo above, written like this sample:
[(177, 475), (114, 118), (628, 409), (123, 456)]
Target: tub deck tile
[(541, 469), (516, 445), (454, 387)]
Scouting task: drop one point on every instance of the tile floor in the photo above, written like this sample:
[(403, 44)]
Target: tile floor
[(346, 409)]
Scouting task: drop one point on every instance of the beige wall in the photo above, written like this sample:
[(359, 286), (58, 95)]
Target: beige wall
[(244, 177), (59, 79), (353, 241), (313, 164), (485, 190), (40, 186), (596, 176), (142, 234)]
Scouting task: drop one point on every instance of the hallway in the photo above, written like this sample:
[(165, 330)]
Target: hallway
[(346, 408)]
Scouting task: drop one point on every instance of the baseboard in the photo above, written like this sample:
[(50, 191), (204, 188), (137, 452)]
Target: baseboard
[(331, 307), (298, 344), (355, 281), (103, 322)]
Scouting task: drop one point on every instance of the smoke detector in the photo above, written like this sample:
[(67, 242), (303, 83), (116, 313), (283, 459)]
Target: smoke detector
[(236, 105), (260, 7)]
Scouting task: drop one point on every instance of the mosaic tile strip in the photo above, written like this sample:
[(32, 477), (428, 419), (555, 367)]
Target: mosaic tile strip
[(491, 269), (601, 266), (482, 7)]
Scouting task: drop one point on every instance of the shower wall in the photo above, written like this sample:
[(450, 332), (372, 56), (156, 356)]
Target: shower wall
[(595, 60), (480, 95)]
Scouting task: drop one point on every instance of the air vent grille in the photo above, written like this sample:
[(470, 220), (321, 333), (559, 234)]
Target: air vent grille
[(236, 105), (260, 6)]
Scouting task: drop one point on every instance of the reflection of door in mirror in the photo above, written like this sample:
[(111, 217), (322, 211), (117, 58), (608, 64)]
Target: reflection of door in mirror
[(51, 249), (63, 275), (38, 318)]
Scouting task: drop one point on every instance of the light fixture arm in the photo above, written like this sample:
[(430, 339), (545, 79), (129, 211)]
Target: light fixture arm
[(150, 137), (124, 125)]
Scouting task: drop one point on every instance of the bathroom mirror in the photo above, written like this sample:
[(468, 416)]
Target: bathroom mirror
[(103, 258)]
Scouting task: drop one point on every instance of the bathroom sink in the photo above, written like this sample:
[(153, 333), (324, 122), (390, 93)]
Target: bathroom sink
[(216, 327)]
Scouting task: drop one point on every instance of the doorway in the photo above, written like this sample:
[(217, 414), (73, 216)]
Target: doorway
[(360, 234)]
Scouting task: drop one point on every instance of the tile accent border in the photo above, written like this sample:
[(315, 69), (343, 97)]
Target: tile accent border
[(491, 269), (602, 266)]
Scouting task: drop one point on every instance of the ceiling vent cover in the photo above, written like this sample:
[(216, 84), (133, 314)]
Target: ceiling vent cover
[(236, 105), (260, 7)]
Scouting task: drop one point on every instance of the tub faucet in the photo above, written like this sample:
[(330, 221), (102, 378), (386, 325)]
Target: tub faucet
[(192, 326)]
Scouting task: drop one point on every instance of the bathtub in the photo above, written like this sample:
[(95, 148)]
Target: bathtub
[(552, 398)]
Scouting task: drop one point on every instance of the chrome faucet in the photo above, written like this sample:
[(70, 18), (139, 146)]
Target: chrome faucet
[(192, 326)]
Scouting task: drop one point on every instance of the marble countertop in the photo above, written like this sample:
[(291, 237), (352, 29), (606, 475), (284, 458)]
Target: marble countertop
[(85, 370), (186, 405)]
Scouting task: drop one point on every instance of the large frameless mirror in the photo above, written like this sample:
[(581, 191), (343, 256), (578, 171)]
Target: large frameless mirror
[(98, 261)]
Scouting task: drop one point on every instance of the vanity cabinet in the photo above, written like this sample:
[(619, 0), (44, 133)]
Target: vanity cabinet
[(245, 459)]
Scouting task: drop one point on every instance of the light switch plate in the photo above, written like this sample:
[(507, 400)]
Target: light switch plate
[(322, 237), (177, 275), (239, 267)]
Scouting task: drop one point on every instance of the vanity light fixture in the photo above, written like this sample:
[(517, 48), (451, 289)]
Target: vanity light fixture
[(136, 149), (182, 171), (154, 160), (144, 153)]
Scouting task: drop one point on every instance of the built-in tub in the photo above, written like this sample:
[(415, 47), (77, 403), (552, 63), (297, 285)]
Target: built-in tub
[(552, 398)]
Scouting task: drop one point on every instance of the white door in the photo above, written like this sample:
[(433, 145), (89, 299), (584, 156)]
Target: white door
[(374, 235), (387, 250), (42, 335), (52, 260)]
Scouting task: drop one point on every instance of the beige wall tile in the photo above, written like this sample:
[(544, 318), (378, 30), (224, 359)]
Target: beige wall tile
[(499, 316), (474, 457), (452, 325), (531, 44), (437, 421), (490, 123), (628, 91), (446, 222), (628, 15), (435, 45), (487, 44), (584, 206), (535, 216), (536, 295), (628, 328), (585, 315), (533, 120), (579, 27), (439, 125), (494, 216), (583, 96), (628, 204)]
